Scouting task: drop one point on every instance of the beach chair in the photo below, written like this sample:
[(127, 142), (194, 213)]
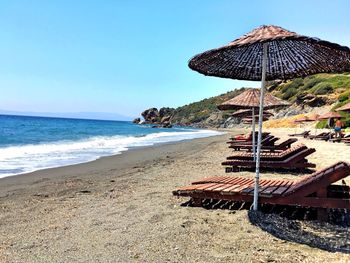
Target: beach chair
[(343, 138), (277, 147), (320, 136), (268, 141), (295, 160), (249, 142), (268, 155), (247, 137), (315, 190), (302, 134)]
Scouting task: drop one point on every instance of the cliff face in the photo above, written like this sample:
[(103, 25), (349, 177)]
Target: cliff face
[(304, 94)]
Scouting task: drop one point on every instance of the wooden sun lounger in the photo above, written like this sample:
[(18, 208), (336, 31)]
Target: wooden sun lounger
[(295, 161), (249, 142), (248, 138), (280, 147), (314, 190), (342, 138), (320, 136), (269, 156), (303, 134), (268, 141)]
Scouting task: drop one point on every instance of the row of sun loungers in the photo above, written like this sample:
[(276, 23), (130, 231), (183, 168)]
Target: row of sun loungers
[(302, 134), (324, 136), (267, 141), (316, 190), (266, 145), (292, 158)]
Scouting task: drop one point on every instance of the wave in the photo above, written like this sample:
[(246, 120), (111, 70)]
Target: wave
[(28, 158)]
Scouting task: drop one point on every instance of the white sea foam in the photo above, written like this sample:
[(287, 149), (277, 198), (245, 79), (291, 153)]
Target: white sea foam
[(23, 159)]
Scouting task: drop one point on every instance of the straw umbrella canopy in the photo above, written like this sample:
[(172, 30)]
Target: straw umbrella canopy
[(250, 99), (313, 117), (269, 53), (329, 115), (305, 118), (346, 107)]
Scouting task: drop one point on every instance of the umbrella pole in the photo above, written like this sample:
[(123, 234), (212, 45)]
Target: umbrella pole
[(261, 108), (253, 131)]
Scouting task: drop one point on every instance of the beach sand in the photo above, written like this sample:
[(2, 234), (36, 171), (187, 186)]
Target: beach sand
[(121, 209)]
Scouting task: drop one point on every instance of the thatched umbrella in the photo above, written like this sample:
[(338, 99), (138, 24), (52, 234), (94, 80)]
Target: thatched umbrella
[(250, 99), (269, 53), (305, 118), (346, 107), (329, 115)]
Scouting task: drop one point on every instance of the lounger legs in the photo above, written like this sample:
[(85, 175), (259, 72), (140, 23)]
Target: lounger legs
[(322, 213), (197, 202)]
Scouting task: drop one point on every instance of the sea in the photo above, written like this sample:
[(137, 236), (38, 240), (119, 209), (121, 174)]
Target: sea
[(29, 144)]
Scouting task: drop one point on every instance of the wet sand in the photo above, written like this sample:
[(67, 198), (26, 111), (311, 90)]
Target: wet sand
[(120, 209)]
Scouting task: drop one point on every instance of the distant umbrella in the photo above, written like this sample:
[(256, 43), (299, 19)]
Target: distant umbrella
[(346, 107), (269, 53), (304, 119), (313, 117), (250, 99), (329, 115)]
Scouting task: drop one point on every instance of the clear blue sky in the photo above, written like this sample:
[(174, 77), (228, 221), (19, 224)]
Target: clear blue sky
[(125, 56)]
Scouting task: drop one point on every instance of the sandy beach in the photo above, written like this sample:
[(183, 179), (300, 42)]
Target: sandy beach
[(121, 209)]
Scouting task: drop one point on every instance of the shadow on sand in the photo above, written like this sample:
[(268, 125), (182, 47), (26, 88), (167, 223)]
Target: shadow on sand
[(325, 236)]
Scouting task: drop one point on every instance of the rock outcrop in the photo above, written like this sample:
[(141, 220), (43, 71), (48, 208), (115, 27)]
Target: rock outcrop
[(151, 115), (160, 119), (136, 120)]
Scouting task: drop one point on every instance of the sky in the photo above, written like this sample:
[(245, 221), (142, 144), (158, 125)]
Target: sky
[(125, 56)]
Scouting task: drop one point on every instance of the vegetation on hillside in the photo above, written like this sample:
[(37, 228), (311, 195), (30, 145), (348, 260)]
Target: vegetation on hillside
[(201, 110), (320, 84), (324, 89)]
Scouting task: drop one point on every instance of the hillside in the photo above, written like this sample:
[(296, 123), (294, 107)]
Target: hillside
[(204, 112), (305, 95)]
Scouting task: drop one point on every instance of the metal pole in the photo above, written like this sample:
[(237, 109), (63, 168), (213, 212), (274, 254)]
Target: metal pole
[(261, 108), (253, 131)]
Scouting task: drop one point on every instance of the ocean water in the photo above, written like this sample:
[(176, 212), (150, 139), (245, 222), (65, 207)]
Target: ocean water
[(32, 143)]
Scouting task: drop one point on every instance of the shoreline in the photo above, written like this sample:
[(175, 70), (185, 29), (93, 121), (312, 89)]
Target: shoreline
[(122, 151), (122, 158), (121, 209)]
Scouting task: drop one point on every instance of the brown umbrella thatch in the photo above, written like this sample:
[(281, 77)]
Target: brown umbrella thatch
[(290, 56), (249, 113), (311, 118), (250, 99), (329, 115), (346, 107)]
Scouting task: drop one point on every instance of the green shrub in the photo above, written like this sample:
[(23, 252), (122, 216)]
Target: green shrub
[(294, 84), (343, 97), (322, 124), (311, 82), (289, 93), (323, 88)]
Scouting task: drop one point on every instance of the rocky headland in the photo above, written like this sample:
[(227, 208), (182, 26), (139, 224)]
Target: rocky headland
[(313, 94)]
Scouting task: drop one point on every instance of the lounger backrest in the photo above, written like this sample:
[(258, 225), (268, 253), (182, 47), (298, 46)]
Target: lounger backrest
[(287, 142), (311, 183)]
